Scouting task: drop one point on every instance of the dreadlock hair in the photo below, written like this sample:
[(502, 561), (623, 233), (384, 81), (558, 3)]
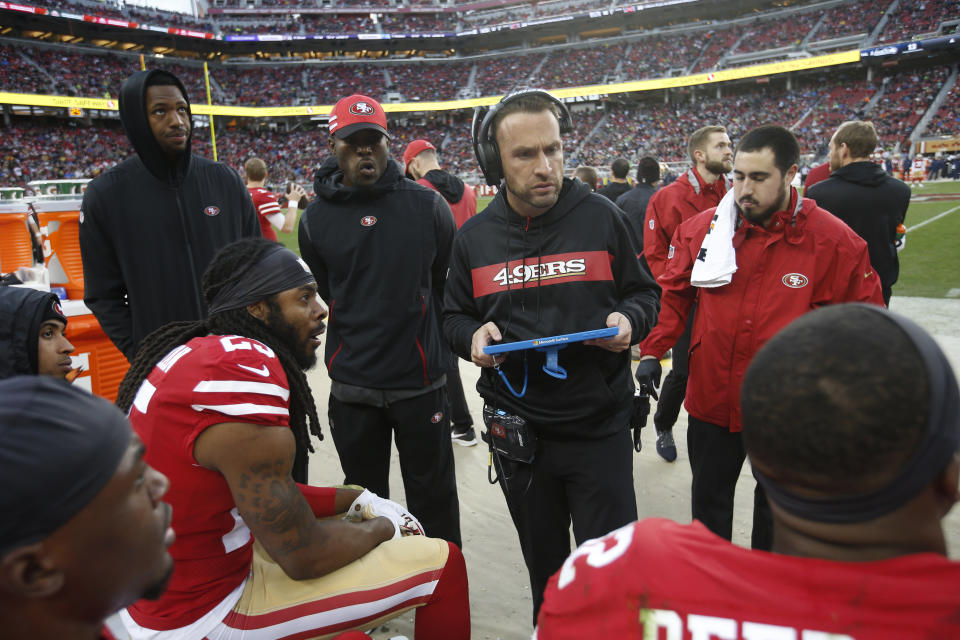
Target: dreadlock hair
[(229, 265)]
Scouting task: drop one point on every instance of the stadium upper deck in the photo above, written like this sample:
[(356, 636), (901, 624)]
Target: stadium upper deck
[(906, 101)]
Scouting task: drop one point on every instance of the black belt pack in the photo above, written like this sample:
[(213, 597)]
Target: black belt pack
[(509, 435)]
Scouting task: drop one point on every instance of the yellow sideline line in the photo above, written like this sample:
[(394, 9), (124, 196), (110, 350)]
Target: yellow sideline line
[(753, 71)]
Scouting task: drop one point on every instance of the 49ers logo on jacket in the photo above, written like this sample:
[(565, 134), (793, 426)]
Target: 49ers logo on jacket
[(795, 280), (211, 211), (368, 221), (547, 270)]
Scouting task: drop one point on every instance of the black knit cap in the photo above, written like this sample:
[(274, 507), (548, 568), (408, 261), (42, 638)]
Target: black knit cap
[(59, 447)]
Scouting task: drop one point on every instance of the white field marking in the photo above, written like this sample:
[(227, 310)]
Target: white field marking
[(936, 217), (953, 293)]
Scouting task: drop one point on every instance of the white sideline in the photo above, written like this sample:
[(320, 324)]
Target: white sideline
[(936, 217)]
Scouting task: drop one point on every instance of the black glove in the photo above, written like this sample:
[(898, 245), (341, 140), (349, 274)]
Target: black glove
[(648, 375)]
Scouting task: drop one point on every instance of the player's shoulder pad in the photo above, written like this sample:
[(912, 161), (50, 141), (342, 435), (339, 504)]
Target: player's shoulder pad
[(242, 359)]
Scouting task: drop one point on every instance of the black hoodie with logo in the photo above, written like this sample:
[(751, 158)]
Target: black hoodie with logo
[(569, 268), (21, 313), (379, 255), (149, 228)]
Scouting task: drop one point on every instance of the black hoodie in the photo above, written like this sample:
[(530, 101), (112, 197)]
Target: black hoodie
[(21, 311), (584, 254), (872, 204), (379, 255), (149, 228)]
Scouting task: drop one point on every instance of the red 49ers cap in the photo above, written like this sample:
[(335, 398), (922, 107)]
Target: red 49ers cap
[(414, 149), (357, 112)]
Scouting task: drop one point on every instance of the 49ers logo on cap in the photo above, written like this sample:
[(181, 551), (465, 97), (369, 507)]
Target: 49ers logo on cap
[(362, 109), (57, 308), (795, 280), (368, 221), (211, 211)]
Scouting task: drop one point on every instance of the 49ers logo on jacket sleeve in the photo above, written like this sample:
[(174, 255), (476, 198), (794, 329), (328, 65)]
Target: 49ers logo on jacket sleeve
[(368, 221), (795, 280), (211, 211), (586, 266)]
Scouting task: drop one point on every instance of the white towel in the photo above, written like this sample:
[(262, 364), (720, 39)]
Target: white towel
[(717, 262)]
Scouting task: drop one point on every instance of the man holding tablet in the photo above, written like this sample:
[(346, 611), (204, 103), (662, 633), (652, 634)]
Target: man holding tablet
[(547, 258)]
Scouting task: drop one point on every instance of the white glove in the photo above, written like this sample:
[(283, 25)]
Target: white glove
[(369, 505)]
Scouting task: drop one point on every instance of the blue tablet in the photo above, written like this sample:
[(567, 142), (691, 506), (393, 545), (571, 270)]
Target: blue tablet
[(552, 341)]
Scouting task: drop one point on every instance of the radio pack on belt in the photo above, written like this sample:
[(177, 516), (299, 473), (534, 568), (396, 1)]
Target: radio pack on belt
[(509, 435)]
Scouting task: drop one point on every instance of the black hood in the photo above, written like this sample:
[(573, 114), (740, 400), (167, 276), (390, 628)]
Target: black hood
[(133, 114), (21, 310), (328, 182), (866, 173), (450, 186)]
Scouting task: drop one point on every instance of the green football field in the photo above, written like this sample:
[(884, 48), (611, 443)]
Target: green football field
[(930, 262)]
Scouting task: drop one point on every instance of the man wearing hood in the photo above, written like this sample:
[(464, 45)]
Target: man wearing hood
[(150, 225), (378, 246), (861, 194), (549, 257), (420, 162), (32, 338)]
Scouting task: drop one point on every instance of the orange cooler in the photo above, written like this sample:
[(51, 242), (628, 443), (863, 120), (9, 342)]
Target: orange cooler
[(60, 224), (103, 364), (15, 248)]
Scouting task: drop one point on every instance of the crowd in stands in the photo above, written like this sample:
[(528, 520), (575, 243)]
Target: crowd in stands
[(773, 34), (325, 84), (717, 44), (906, 97), (919, 17), (262, 87), (579, 67), (428, 81), (500, 75), (94, 76), (659, 56), (848, 19), (18, 75), (35, 149), (946, 122), (336, 23), (418, 22)]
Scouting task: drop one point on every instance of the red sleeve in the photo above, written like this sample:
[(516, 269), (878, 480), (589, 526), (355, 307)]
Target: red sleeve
[(863, 283), (656, 238), (320, 499), (678, 294), (266, 203)]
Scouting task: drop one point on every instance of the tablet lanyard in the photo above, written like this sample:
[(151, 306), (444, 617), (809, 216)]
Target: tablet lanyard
[(510, 388)]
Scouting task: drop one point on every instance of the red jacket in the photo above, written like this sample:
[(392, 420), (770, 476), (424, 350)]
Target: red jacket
[(782, 272), (677, 202), (817, 174), (464, 208)]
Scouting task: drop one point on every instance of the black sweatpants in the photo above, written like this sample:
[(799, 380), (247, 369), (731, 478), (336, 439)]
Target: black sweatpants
[(674, 387), (716, 458), (588, 481), (459, 412), (421, 429)]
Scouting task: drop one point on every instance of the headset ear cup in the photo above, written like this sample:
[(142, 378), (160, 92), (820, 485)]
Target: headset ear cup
[(484, 147)]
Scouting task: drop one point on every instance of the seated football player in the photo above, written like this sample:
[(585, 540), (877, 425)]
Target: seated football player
[(224, 409), (851, 421), (32, 340)]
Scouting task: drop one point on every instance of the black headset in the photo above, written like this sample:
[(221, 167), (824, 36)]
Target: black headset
[(485, 141)]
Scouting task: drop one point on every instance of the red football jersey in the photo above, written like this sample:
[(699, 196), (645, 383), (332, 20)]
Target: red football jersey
[(207, 381), (266, 204), (659, 579)]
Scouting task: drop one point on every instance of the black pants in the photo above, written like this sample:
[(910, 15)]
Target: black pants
[(716, 458), (421, 429), (674, 387), (459, 412), (588, 481)]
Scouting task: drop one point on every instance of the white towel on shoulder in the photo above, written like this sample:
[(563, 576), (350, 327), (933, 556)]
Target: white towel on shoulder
[(716, 261)]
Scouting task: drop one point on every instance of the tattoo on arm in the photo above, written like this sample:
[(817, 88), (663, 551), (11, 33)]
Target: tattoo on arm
[(275, 506)]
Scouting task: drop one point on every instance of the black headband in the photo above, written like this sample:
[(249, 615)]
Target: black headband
[(277, 270), (941, 439), (59, 447)]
